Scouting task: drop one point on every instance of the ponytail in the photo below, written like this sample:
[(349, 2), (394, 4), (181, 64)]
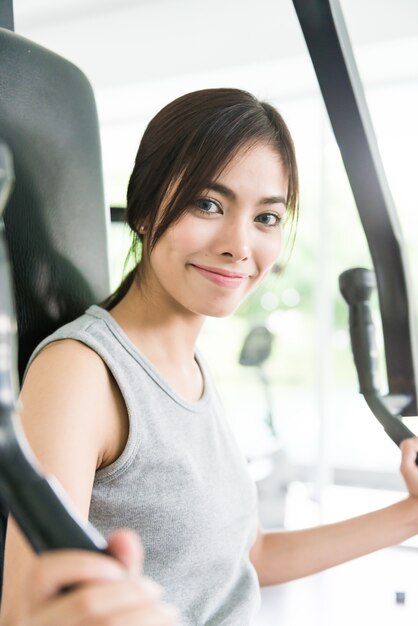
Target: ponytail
[(120, 292)]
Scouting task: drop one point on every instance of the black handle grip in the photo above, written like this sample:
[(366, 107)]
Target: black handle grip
[(356, 286)]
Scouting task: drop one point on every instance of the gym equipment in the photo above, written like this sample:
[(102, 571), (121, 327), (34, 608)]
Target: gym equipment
[(356, 286), (55, 225), (329, 46), (32, 498), (255, 350)]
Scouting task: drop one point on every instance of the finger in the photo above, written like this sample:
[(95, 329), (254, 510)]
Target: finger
[(53, 571), (97, 602), (126, 546)]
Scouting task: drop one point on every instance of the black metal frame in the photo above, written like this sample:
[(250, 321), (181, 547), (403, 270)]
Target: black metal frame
[(329, 46)]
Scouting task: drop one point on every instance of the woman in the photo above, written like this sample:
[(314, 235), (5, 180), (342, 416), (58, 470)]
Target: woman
[(120, 406)]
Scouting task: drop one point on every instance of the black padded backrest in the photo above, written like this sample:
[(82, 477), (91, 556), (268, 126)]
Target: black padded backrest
[(55, 221)]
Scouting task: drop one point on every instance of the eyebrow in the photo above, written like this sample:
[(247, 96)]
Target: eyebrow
[(228, 193)]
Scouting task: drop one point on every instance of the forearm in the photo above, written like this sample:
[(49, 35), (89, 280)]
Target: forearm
[(285, 556)]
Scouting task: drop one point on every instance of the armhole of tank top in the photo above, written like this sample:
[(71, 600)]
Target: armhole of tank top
[(124, 460), (121, 464)]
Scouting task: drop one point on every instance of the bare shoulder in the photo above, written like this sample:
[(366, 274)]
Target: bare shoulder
[(66, 357), (66, 374), (72, 410)]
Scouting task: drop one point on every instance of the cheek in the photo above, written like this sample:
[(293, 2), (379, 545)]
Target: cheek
[(269, 252), (187, 236)]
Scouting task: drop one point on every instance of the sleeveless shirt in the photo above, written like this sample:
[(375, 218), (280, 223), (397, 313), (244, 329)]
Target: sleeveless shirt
[(180, 482)]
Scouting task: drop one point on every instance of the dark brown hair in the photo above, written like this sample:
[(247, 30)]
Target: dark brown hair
[(184, 147)]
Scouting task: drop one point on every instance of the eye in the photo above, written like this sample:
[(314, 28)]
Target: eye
[(269, 219), (206, 205)]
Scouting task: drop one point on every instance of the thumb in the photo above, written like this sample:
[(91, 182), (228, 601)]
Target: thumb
[(126, 547)]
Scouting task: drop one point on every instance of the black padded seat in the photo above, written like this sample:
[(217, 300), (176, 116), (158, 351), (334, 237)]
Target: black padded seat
[(56, 222)]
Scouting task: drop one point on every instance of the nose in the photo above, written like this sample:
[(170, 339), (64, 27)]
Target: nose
[(234, 241)]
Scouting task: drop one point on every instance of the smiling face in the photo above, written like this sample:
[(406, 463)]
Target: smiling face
[(222, 247)]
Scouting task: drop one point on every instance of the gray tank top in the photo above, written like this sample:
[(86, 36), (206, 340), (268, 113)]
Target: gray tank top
[(181, 483)]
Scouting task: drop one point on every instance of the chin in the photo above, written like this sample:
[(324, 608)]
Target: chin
[(217, 311), (219, 315)]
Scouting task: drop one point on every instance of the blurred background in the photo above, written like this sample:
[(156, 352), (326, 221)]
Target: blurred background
[(316, 451)]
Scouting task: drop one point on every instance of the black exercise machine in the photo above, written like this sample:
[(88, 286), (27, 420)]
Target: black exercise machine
[(329, 46), (55, 224)]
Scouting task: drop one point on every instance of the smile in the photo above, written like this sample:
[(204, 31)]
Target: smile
[(231, 280)]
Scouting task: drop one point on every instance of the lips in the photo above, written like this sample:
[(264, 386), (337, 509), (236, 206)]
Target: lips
[(221, 272), (221, 277)]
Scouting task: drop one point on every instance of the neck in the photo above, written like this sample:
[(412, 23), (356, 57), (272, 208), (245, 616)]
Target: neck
[(159, 327)]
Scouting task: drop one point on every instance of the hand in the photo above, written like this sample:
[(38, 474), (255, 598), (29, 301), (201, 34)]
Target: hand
[(409, 469), (102, 590)]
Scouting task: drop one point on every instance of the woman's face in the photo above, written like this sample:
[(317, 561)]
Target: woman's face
[(227, 241)]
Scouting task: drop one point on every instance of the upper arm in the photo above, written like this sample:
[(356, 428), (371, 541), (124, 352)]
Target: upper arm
[(65, 416), (62, 416)]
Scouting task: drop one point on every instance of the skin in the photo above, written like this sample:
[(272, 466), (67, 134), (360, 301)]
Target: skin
[(105, 591), (233, 226)]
